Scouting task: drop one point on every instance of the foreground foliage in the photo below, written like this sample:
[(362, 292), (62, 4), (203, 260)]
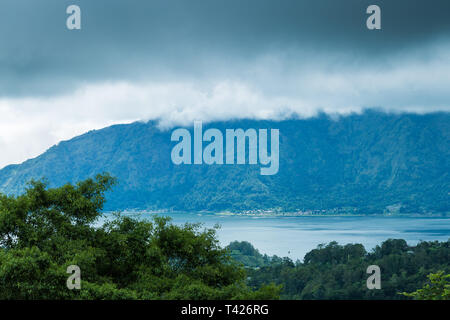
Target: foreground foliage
[(44, 231), (437, 289)]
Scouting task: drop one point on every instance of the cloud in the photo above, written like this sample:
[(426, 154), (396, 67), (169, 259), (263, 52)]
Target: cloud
[(270, 88), (177, 60), (139, 40)]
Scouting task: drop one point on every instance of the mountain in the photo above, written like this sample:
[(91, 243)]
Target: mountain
[(373, 162)]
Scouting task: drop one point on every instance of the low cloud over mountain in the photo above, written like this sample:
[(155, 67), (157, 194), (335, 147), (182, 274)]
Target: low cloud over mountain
[(368, 163)]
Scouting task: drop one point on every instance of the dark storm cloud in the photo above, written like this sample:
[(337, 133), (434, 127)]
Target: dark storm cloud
[(177, 61), (202, 39)]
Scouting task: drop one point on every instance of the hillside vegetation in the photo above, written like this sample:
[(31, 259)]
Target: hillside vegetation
[(369, 163), (334, 271), (46, 230)]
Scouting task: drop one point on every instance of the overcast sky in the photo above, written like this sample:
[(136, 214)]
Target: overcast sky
[(180, 60)]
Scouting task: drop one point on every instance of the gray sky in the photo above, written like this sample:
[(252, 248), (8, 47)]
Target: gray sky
[(180, 60)]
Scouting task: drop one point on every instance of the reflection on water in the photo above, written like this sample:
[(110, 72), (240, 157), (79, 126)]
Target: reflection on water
[(298, 235)]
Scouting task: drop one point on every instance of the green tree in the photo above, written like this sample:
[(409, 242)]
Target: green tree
[(438, 288), (45, 230), (334, 271)]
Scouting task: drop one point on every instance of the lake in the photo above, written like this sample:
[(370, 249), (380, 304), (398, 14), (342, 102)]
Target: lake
[(295, 236)]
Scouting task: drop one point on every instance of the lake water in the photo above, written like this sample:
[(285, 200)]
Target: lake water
[(295, 236)]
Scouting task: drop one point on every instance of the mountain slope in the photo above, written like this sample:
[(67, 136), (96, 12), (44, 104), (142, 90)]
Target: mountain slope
[(369, 163)]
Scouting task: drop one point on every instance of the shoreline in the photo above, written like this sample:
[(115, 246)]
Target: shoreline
[(282, 214)]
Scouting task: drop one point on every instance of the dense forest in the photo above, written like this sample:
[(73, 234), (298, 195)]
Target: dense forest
[(46, 230), (334, 271), (369, 163)]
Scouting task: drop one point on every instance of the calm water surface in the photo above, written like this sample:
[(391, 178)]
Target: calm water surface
[(295, 236)]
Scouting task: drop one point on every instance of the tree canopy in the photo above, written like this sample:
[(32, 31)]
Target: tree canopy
[(334, 271), (44, 231), (438, 288)]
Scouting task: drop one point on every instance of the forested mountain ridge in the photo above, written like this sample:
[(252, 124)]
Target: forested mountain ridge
[(368, 163)]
